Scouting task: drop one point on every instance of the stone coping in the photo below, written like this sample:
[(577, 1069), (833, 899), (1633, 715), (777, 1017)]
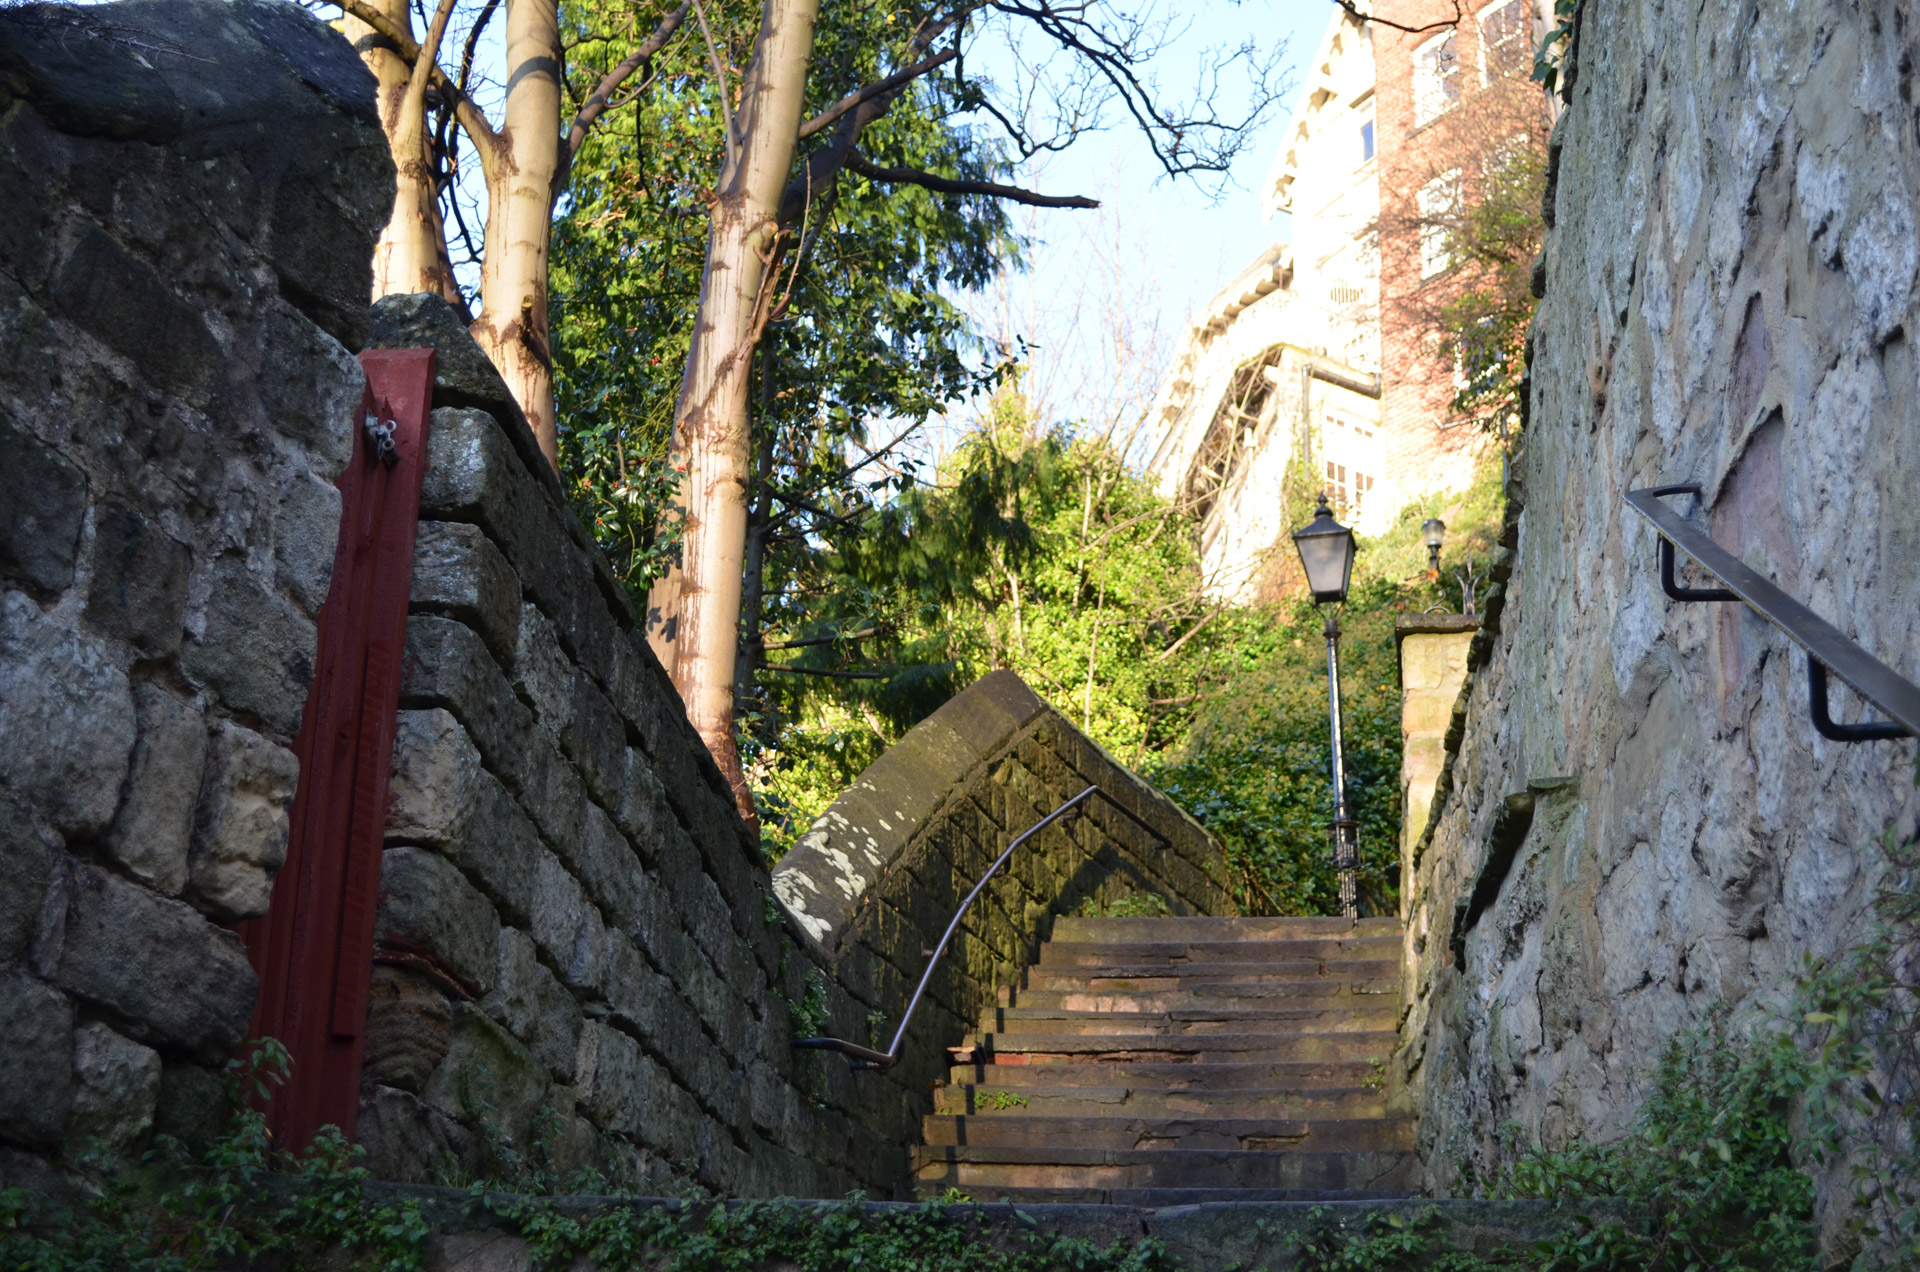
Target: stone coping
[(822, 881)]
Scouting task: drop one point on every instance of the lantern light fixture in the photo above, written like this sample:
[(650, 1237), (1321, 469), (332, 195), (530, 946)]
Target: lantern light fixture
[(1326, 553), (1434, 531)]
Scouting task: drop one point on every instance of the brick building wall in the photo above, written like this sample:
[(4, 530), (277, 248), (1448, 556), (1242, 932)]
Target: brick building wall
[(1427, 448)]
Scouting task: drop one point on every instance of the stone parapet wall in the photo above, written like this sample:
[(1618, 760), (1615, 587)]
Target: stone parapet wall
[(878, 878), (579, 964), (1432, 652), (1636, 803), (192, 191)]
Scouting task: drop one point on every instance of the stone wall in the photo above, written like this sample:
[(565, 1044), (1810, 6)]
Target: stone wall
[(1637, 804), (877, 879), (579, 965), (192, 190)]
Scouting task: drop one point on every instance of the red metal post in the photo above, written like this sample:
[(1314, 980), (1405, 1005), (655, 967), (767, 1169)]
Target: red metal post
[(314, 950)]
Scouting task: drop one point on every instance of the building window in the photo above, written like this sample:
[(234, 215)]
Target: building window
[(1347, 489), (1506, 33), (1436, 78), (1366, 142), (1439, 199)]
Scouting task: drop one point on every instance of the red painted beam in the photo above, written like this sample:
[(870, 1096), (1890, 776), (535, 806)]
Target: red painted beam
[(314, 950)]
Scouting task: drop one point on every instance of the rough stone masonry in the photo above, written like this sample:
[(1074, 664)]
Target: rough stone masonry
[(580, 966), (192, 191), (1635, 793)]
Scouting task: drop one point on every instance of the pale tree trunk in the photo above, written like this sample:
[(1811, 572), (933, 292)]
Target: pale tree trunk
[(520, 161), (411, 254), (699, 605)]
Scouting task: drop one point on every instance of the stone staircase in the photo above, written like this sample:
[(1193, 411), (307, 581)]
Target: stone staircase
[(1157, 1062)]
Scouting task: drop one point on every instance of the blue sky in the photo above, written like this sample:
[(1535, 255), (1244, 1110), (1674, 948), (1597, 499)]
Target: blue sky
[(1159, 248)]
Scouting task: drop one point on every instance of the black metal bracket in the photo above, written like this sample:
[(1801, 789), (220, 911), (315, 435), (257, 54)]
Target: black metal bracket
[(1826, 648)]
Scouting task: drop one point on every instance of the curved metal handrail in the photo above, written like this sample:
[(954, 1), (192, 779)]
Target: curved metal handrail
[(1826, 647), (866, 1057)]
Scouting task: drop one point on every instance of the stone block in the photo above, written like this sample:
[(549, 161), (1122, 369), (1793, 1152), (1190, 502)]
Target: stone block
[(541, 671), (311, 396), (240, 823), (605, 864), (153, 828), (191, 1105), (619, 1086), (252, 648), (409, 1028), (448, 666), (427, 908), (306, 530), (43, 504), (410, 1140), (559, 911), (28, 861), (66, 719), (138, 592), (534, 1007), (459, 574), (490, 1082), (36, 1061), (118, 299), (116, 1086), (440, 796), (595, 739), (165, 974)]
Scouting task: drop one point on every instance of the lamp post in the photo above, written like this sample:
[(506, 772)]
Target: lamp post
[(1326, 553), (1434, 531)]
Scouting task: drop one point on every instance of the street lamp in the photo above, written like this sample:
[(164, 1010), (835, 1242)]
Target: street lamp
[(1434, 531), (1326, 553)]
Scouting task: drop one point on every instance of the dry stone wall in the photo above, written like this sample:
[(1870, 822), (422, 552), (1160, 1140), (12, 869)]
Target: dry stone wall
[(192, 191), (878, 878), (580, 968), (1638, 820)]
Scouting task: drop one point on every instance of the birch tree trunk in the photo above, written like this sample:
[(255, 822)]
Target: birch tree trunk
[(410, 255), (520, 161), (699, 604)]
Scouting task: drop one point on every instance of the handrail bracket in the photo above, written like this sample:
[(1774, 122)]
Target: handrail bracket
[(1827, 650)]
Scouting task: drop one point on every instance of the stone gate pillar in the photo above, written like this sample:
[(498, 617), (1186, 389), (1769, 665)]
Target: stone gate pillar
[(1433, 665)]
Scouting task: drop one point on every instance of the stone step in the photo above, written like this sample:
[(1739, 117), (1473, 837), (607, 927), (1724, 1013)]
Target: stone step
[(1238, 996), (1143, 1047), (1171, 1198), (1363, 1015), (1017, 1098), (1198, 928), (1055, 954), (1173, 1134), (970, 1168), (1164, 975), (1175, 1076)]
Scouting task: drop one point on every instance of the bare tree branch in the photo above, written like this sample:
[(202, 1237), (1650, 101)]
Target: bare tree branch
[(1353, 10), (889, 85), (472, 122), (947, 185), (719, 82), (821, 640), (837, 675), (600, 101)]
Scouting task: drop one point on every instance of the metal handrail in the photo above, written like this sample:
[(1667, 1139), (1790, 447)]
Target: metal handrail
[(1826, 648), (867, 1057)]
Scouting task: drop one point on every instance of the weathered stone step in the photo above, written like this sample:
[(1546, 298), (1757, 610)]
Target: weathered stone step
[(1343, 1017), (1169, 1134), (1186, 1198), (1165, 975), (968, 1168), (1017, 1098), (1200, 928), (1239, 997), (1057, 954), (1179, 1075), (1143, 1047)]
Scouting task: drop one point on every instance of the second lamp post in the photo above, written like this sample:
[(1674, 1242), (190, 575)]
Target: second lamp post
[(1326, 553)]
